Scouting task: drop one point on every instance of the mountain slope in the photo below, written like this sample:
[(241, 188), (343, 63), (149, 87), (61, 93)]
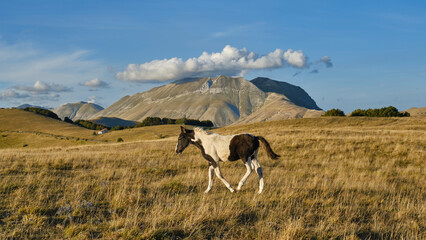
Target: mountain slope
[(19, 120), (294, 94), (223, 100), (278, 107), (76, 111), (417, 112)]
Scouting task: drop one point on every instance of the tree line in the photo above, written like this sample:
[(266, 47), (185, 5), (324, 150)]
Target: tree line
[(390, 111), (41, 111)]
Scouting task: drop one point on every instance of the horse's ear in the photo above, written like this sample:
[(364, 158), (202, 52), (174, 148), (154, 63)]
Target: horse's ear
[(182, 129)]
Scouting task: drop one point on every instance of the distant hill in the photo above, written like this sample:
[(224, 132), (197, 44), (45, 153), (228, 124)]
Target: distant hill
[(417, 112), (113, 122), (22, 129), (76, 111), (20, 120), (222, 100), (29, 105)]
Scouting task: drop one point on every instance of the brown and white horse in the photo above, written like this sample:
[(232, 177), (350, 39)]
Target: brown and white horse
[(216, 148)]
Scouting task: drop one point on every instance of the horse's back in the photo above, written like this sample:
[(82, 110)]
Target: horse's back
[(242, 146)]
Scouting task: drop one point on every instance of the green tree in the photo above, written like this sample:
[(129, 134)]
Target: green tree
[(43, 112), (334, 112), (68, 120), (390, 111)]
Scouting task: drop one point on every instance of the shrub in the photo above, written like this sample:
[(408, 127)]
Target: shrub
[(68, 120), (151, 121), (334, 112), (120, 139), (89, 125), (390, 111)]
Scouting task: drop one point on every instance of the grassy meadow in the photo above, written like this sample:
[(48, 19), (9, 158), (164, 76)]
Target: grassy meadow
[(339, 178)]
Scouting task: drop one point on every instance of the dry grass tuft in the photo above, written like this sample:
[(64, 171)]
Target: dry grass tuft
[(339, 178)]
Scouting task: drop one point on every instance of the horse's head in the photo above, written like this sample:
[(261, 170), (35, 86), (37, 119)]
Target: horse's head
[(185, 138)]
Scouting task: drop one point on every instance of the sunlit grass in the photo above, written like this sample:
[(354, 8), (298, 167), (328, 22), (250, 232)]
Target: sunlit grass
[(337, 178)]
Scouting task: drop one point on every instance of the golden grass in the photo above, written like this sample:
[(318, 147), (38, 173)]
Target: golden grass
[(21, 129), (346, 178)]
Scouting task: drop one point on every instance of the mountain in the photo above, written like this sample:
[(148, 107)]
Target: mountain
[(278, 107), (294, 94), (223, 100), (76, 111), (113, 122)]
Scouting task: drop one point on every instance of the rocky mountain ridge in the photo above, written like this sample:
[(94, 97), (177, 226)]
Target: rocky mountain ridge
[(223, 100)]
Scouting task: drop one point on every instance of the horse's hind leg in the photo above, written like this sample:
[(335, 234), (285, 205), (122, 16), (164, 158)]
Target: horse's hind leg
[(211, 171), (249, 170), (220, 176), (259, 171)]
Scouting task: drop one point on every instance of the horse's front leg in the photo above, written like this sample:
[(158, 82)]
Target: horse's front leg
[(249, 170), (258, 168), (220, 176), (211, 171)]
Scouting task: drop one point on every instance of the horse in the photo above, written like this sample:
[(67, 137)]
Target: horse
[(216, 148)]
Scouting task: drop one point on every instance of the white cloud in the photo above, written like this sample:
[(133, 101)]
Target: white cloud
[(231, 61), (26, 63), (95, 83), (327, 61), (40, 87), (92, 99), (10, 94)]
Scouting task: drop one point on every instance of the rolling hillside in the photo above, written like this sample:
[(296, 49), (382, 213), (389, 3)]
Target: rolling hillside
[(417, 112), (22, 129)]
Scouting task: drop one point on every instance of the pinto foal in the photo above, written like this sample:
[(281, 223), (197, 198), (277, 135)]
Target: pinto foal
[(215, 148)]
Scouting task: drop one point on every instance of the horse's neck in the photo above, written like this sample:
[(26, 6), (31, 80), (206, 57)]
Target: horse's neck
[(203, 137), (211, 139)]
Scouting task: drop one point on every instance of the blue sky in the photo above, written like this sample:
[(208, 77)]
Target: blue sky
[(55, 52)]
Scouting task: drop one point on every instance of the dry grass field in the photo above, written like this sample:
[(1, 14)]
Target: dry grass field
[(338, 178)]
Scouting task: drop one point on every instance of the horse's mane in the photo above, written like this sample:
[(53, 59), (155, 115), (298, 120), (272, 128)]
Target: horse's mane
[(200, 130)]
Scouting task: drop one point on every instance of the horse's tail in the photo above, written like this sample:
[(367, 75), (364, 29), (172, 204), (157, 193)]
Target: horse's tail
[(268, 148)]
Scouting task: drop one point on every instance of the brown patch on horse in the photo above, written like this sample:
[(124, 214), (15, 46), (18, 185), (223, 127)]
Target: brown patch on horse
[(242, 147)]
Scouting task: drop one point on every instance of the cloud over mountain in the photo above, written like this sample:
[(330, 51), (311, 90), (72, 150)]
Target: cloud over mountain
[(230, 61)]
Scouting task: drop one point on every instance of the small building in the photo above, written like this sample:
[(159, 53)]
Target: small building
[(103, 131)]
